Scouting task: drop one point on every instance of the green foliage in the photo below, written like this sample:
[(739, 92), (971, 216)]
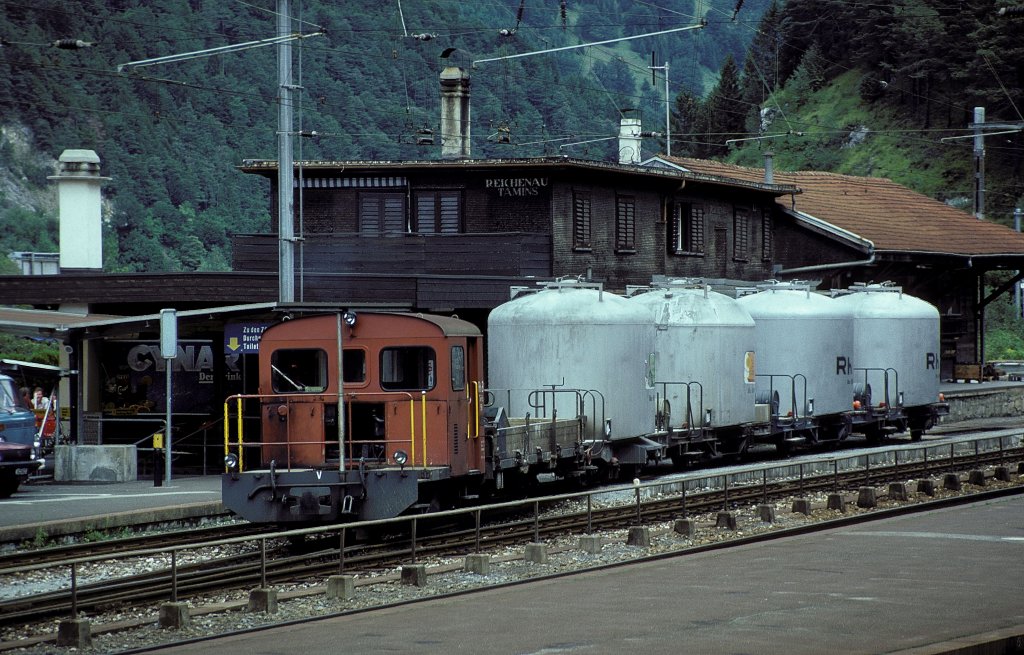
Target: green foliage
[(29, 350)]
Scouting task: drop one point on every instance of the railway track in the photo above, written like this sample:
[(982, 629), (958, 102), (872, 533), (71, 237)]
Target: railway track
[(269, 559)]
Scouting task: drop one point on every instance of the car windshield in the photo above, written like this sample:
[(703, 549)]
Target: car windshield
[(8, 396)]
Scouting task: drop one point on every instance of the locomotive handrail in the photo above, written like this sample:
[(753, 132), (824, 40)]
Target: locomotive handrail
[(688, 414), (885, 380), (306, 398), (581, 402), (792, 390), (473, 410), (594, 394)]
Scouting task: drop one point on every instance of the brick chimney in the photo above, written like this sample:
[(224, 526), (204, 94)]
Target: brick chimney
[(454, 113), (78, 191)]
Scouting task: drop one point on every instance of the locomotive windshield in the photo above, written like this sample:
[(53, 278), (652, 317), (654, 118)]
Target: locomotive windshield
[(458, 368), (299, 370), (404, 369)]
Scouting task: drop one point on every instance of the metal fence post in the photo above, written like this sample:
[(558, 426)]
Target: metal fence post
[(74, 590), (590, 513), (263, 563), (476, 515), (341, 551), (174, 576), (413, 540)]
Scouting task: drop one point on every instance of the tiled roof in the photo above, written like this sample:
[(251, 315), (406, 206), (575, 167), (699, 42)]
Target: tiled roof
[(891, 216)]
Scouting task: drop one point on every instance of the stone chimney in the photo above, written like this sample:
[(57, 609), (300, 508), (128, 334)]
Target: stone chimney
[(769, 170), (454, 113), (629, 139), (78, 190)]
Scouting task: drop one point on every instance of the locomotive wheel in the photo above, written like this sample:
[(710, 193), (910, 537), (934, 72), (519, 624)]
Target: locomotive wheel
[(916, 434)]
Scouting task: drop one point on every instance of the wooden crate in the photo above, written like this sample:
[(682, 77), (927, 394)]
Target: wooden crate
[(967, 371)]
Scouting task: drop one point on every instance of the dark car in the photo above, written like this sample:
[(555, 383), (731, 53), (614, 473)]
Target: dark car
[(16, 464)]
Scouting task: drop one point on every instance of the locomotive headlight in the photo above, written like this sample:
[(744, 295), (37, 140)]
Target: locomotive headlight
[(707, 417), (810, 406), (400, 457), (350, 318), (900, 399), (231, 462)]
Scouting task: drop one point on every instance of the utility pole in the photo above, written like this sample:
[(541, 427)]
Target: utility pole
[(285, 176), (668, 124), (979, 163), (1016, 287)]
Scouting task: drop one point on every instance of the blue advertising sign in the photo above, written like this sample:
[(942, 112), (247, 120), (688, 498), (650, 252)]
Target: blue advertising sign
[(243, 338)]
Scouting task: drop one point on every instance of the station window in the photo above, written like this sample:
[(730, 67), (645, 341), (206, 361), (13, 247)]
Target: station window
[(458, 368), (381, 212), (298, 370), (407, 368), (438, 212), (687, 229), (353, 365), (625, 223), (740, 234), (580, 220)]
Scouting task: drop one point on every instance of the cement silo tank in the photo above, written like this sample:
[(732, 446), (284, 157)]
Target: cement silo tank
[(574, 336), (704, 345), (804, 345), (895, 344)]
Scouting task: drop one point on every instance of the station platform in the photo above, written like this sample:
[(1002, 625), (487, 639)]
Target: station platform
[(54, 509), (943, 581)]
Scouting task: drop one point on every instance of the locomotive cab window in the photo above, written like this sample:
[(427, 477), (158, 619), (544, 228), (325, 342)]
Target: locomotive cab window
[(299, 370), (458, 368), (353, 365), (408, 368)]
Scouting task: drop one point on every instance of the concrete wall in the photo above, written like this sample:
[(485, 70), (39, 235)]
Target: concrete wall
[(95, 464)]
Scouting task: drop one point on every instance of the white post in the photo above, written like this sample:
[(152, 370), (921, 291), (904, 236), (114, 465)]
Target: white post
[(168, 350), (979, 164)]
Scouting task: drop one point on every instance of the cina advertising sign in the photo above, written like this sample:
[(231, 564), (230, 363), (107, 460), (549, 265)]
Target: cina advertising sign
[(134, 378)]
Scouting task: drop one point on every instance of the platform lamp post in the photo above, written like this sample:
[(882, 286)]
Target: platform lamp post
[(168, 350)]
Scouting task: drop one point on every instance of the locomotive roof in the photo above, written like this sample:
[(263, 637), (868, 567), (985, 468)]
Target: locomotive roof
[(450, 326)]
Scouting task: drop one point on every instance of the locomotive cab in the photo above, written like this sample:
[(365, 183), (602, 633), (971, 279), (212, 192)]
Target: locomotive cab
[(388, 427)]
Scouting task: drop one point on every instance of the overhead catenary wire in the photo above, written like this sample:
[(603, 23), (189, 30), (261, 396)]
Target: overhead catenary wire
[(192, 85)]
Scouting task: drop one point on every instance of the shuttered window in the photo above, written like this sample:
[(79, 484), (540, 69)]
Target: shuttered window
[(438, 212), (766, 235), (625, 223), (381, 213), (580, 220), (740, 234), (687, 229)]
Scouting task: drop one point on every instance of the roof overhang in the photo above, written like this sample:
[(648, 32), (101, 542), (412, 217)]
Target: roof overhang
[(828, 229), (650, 169), (58, 324)]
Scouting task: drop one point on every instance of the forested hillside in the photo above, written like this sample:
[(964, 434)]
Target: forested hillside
[(874, 89), (170, 136)]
